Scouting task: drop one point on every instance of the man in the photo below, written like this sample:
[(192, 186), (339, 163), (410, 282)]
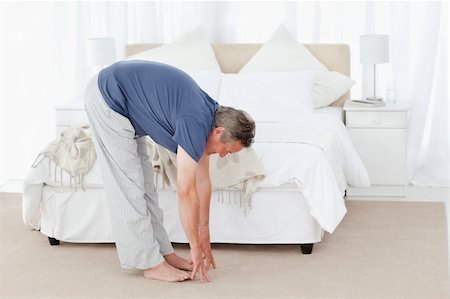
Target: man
[(132, 99)]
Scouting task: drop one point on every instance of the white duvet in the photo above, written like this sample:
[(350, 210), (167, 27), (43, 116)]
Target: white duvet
[(323, 131), (315, 153)]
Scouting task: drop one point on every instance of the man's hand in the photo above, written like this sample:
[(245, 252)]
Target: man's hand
[(199, 266), (194, 195), (206, 247)]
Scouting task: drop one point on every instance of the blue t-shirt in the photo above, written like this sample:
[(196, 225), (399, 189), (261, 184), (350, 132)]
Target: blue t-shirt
[(162, 102)]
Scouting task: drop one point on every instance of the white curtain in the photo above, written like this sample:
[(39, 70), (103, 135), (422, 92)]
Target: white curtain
[(43, 59)]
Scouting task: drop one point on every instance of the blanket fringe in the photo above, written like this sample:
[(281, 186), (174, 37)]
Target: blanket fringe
[(76, 180), (238, 198)]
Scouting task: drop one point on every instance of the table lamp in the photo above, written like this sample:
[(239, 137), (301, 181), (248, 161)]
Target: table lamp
[(101, 51), (374, 49)]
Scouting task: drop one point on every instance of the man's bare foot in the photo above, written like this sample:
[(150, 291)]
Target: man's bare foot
[(166, 272), (178, 262)]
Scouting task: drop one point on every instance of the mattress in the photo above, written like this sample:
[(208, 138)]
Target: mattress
[(325, 201), (83, 216)]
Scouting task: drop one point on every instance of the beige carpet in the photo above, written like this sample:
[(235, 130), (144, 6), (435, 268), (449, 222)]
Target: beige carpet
[(380, 250)]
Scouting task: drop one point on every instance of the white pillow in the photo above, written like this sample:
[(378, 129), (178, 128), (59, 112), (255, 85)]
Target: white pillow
[(189, 51), (282, 53), (209, 81), (328, 87), (280, 97)]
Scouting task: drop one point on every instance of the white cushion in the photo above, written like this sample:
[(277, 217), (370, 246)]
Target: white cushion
[(269, 96), (189, 51), (329, 86), (282, 53)]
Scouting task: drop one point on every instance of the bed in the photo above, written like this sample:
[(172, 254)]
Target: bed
[(297, 208)]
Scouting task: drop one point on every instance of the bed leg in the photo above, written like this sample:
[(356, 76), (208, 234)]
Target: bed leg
[(307, 248), (53, 241)]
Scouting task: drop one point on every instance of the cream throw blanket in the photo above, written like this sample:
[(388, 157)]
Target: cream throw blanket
[(73, 153), (238, 172)]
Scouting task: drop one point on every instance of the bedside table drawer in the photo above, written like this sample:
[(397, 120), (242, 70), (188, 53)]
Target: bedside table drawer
[(376, 119)]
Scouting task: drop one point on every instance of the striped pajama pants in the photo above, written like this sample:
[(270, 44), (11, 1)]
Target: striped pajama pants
[(132, 199)]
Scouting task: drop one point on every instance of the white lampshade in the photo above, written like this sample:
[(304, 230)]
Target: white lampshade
[(374, 48), (101, 51)]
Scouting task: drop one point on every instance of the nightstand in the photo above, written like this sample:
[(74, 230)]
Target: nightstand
[(379, 136), (69, 114)]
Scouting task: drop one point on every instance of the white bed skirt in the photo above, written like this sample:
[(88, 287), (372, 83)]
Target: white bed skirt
[(276, 217)]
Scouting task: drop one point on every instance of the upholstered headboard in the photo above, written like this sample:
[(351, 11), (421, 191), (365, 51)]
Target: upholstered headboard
[(232, 57)]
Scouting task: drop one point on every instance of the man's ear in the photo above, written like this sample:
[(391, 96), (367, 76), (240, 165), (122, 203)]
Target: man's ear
[(219, 130)]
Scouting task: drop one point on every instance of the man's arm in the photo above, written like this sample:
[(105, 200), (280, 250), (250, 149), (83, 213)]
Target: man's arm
[(203, 189), (204, 195), (189, 209)]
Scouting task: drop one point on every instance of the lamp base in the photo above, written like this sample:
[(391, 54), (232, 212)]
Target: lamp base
[(374, 98)]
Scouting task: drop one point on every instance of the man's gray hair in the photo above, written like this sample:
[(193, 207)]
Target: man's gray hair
[(238, 124)]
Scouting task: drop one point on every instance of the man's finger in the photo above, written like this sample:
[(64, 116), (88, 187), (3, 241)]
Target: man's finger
[(210, 263), (204, 277), (202, 272), (194, 272), (207, 277)]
